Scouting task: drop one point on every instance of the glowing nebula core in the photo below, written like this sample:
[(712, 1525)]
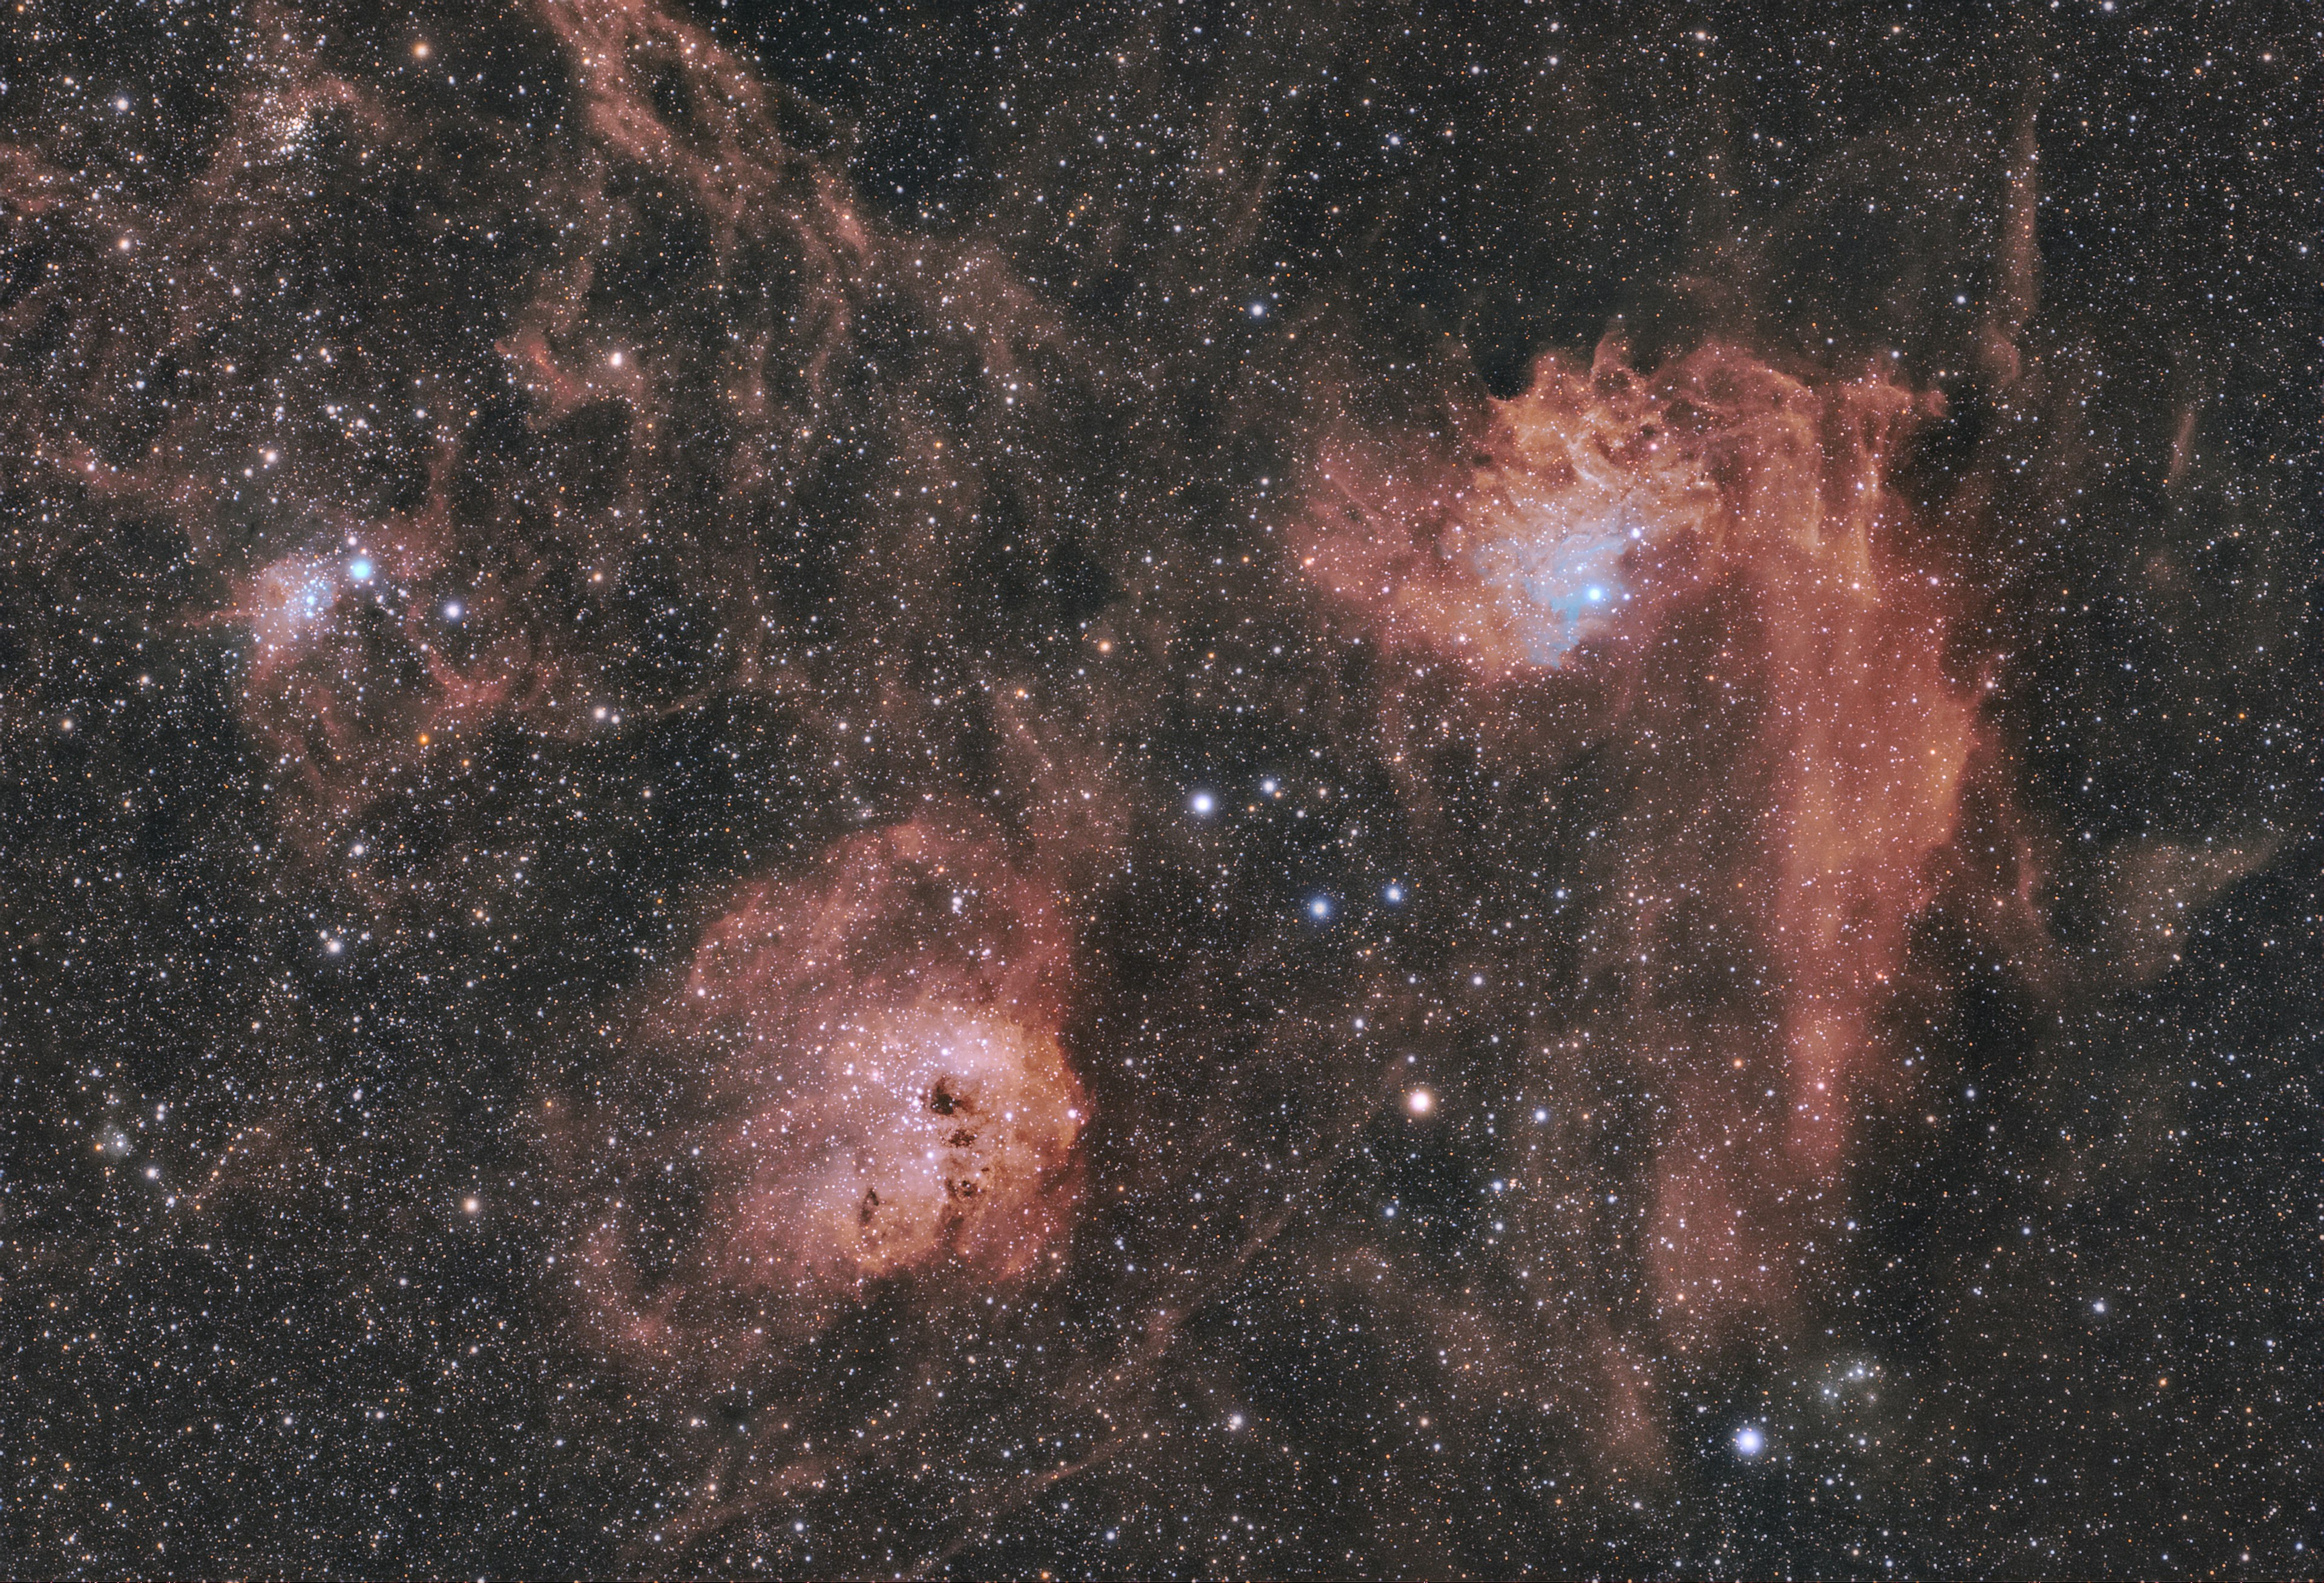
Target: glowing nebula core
[(940, 1136), (872, 1084)]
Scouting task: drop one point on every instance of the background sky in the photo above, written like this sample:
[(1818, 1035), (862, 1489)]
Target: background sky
[(1159, 789)]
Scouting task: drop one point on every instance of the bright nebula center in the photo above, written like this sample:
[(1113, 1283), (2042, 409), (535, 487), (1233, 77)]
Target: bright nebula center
[(925, 1133), (1561, 574), (870, 1057)]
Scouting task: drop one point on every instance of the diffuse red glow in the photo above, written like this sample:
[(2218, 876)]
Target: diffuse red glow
[(1716, 554), (630, 437), (869, 1084)]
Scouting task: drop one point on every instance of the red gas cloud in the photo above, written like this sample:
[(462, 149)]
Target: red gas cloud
[(646, 475), (1713, 558), (862, 1074)]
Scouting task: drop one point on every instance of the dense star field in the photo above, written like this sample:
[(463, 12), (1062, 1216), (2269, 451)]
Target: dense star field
[(1161, 790)]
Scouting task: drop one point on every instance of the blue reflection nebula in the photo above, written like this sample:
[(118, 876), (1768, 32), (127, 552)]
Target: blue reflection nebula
[(1567, 577)]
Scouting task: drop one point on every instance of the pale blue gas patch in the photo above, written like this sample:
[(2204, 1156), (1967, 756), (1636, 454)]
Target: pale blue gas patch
[(1564, 575)]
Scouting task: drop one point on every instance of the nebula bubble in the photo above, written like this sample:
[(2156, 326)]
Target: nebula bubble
[(862, 1074)]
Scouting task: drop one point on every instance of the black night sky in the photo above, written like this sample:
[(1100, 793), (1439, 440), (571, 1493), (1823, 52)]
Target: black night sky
[(1161, 790)]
